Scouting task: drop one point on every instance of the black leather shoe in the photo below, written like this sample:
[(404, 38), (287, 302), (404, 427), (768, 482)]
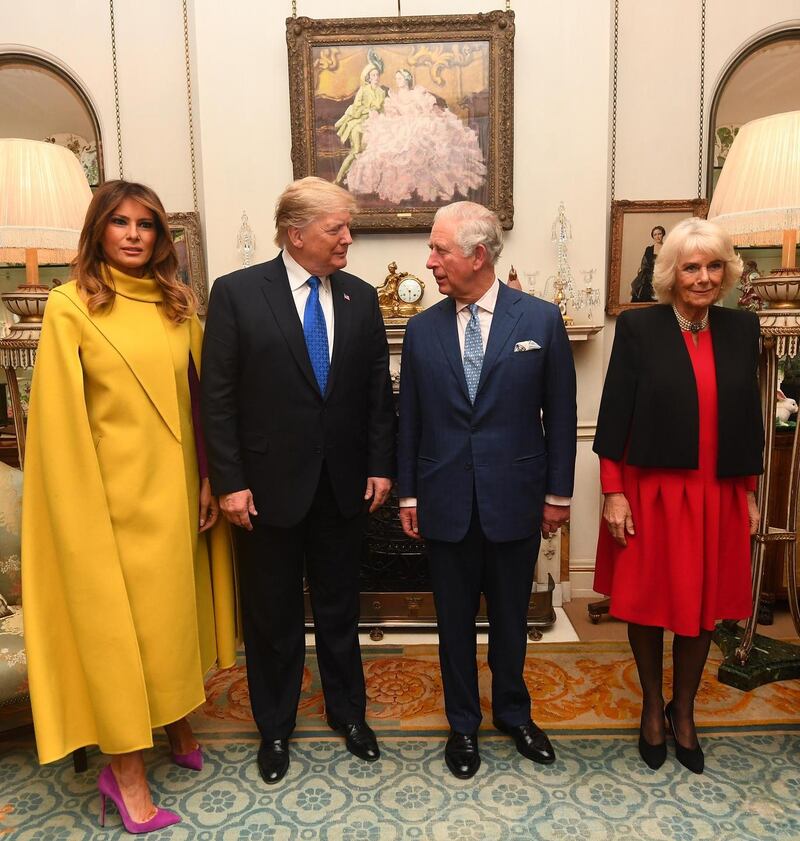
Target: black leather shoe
[(531, 741), (273, 760), (461, 754), (691, 758), (359, 739)]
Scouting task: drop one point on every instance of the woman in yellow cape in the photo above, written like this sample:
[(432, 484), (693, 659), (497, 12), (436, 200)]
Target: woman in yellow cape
[(120, 595)]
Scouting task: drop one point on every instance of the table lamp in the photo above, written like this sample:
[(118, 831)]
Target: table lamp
[(43, 199), (757, 199)]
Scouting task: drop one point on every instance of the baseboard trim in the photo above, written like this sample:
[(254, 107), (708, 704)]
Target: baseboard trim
[(580, 582)]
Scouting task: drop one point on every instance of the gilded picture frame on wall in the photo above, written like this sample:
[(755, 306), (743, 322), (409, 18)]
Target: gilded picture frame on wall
[(407, 113), (185, 230), (637, 230)]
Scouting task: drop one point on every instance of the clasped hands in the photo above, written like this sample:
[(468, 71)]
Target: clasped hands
[(238, 507)]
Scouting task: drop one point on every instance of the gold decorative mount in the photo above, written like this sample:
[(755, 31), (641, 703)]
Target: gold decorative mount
[(394, 309)]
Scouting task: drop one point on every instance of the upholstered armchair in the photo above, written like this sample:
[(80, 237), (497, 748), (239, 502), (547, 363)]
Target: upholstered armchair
[(14, 700)]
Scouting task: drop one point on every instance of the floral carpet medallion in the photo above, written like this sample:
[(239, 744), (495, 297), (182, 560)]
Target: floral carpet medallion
[(574, 686)]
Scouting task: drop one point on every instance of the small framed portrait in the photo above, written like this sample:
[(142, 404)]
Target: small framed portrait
[(185, 229), (638, 228), (406, 113)]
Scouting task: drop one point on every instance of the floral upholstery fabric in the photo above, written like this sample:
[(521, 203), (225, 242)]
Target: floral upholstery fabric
[(13, 665), (10, 520), (14, 706)]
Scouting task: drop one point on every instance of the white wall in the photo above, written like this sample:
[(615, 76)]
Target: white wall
[(563, 70)]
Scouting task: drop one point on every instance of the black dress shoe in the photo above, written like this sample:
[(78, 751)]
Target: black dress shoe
[(531, 741), (273, 760), (691, 758), (359, 739), (461, 754)]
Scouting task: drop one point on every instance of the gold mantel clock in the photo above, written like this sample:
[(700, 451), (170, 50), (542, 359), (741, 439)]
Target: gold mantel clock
[(399, 296)]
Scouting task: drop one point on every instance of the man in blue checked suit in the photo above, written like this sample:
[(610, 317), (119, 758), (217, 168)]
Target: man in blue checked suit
[(300, 426), (485, 466)]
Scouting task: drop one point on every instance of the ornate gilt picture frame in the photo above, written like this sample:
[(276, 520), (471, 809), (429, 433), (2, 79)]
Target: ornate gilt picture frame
[(185, 230), (634, 231), (407, 113)]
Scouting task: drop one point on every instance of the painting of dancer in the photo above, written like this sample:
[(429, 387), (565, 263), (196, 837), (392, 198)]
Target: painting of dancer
[(406, 122)]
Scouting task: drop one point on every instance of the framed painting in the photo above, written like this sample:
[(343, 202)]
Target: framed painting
[(637, 230), (185, 230), (406, 113)]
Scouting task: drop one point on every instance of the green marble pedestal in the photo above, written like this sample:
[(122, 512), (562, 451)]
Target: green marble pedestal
[(769, 660)]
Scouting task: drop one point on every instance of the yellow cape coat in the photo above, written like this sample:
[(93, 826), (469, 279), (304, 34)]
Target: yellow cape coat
[(119, 618)]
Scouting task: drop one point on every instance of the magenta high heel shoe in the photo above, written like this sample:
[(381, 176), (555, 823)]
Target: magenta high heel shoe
[(108, 787), (192, 760)]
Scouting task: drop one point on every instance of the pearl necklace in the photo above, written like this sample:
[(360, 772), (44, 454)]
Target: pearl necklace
[(690, 326)]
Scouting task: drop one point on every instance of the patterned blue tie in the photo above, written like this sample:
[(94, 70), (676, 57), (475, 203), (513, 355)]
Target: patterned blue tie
[(473, 352), (316, 333)]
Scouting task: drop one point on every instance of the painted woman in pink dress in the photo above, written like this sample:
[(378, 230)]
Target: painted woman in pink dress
[(416, 149)]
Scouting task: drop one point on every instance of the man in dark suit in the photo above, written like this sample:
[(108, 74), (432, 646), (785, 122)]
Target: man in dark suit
[(486, 462), (300, 425)]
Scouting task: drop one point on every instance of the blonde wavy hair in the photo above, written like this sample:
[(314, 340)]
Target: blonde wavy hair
[(687, 237), (88, 268), (306, 200)]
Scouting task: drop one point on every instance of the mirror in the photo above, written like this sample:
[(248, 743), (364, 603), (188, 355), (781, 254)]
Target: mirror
[(41, 101), (763, 79)]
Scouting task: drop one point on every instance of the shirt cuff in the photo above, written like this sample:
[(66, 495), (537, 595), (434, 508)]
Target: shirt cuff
[(408, 502), (552, 499)]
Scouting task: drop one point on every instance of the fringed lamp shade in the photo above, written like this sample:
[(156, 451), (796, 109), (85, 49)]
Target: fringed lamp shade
[(758, 194), (757, 199), (43, 199)]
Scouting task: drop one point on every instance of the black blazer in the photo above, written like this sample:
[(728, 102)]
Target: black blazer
[(649, 400), (267, 426)]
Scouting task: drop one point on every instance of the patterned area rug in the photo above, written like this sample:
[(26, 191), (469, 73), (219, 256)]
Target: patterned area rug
[(599, 789), (574, 686)]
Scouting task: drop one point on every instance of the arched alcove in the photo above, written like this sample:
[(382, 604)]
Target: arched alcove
[(40, 100), (762, 79)]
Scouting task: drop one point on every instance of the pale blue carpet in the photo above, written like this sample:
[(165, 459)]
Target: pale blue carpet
[(598, 790)]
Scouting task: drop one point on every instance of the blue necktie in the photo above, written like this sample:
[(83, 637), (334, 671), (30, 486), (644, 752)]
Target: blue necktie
[(316, 333), (473, 352)]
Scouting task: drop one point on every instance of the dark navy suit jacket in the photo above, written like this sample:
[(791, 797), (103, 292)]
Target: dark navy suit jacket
[(516, 443)]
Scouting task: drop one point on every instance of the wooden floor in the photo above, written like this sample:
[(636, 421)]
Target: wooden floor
[(609, 629)]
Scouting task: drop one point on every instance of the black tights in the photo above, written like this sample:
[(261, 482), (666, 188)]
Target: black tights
[(689, 655)]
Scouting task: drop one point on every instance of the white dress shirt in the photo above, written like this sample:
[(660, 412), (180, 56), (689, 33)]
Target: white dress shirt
[(486, 306), (298, 283)]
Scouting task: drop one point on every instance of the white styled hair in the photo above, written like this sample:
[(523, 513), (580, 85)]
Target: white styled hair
[(687, 237), (475, 225)]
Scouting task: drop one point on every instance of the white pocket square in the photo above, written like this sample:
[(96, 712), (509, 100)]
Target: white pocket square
[(526, 345)]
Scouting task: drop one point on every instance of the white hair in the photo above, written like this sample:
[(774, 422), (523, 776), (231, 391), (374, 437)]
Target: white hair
[(687, 237), (475, 225)]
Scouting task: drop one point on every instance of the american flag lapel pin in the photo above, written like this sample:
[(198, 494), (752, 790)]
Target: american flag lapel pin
[(346, 296)]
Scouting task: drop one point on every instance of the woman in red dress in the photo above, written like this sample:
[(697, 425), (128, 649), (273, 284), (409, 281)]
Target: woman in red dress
[(680, 440)]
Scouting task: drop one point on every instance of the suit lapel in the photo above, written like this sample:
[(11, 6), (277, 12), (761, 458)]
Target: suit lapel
[(447, 333), (342, 323), (506, 315), (279, 297)]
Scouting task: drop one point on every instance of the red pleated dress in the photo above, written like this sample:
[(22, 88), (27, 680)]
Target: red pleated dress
[(688, 564)]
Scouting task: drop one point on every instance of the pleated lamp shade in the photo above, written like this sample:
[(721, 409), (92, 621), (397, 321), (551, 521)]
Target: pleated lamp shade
[(43, 199), (758, 194)]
